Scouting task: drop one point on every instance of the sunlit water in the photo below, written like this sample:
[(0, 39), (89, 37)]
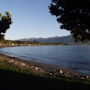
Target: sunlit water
[(73, 57)]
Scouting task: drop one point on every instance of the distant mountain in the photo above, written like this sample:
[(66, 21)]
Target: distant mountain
[(64, 40)]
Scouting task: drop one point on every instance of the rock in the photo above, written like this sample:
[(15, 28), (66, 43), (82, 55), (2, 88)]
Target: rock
[(36, 68), (87, 77), (32, 67), (67, 73), (27, 66), (50, 73), (23, 64), (61, 71), (16, 62), (82, 77), (11, 61)]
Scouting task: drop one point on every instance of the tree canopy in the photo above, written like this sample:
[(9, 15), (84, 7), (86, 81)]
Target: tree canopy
[(74, 15), (5, 21)]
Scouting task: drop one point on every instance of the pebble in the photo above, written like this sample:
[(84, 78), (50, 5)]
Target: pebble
[(11, 61), (16, 62), (36, 68), (61, 71), (87, 77), (50, 73), (32, 67), (67, 73), (82, 77), (23, 64)]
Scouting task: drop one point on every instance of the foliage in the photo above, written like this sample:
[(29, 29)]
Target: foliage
[(74, 15), (5, 21)]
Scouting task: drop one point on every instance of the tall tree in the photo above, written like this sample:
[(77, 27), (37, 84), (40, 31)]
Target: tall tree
[(74, 15), (5, 21)]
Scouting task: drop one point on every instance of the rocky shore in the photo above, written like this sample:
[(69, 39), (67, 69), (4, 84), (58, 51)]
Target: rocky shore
[(45, 69), (18, 74)]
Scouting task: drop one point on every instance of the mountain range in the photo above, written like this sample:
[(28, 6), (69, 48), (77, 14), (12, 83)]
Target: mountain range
[(64, 40)]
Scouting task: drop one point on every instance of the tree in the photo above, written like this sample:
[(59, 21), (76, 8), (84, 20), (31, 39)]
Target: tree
[(74, 15), (5, 21)]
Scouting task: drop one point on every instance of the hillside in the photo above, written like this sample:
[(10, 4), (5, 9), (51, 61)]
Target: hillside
[(64, 40)]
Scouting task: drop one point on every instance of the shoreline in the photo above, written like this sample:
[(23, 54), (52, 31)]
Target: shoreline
[(42, 68), (15, 75)]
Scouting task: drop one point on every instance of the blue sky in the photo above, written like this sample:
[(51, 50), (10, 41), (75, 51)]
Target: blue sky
[(31, 18)]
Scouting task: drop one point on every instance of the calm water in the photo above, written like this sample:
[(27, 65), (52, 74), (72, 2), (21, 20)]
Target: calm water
[(73, 57)]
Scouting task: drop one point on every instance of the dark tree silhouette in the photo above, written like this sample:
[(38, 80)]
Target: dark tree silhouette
[(74, 15), (5, 22)]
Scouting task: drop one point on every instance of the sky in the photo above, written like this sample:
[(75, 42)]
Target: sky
[(31, 18)]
